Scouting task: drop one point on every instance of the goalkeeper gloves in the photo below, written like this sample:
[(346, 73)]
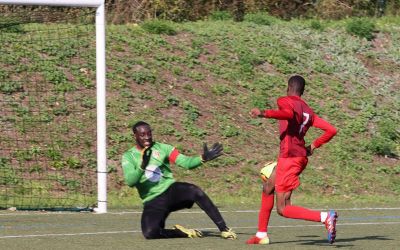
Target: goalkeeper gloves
[(146, 155), (212, 153)]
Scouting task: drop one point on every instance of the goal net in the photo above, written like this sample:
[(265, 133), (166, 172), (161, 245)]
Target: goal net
[(48, 116)]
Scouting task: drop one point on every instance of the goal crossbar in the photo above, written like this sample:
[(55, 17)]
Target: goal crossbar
[(100, 85), (67, 3)]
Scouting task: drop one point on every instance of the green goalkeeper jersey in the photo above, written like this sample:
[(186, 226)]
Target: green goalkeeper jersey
[(157, 176)]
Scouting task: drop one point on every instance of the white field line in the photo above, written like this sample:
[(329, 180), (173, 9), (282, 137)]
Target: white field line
[(6, 213), (256, 211), (208, 228)]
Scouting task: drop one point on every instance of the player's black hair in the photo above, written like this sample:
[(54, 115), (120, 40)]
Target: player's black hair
[(297, 84), (138, 124)]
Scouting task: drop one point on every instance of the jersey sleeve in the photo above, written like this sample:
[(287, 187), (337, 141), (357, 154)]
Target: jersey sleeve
[(188, 162), (285, 111), (132, 172), (329, 131)]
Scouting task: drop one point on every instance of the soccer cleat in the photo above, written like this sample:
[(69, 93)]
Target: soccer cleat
[(191, 233), (330, 224), (260, 241), (228, 234)]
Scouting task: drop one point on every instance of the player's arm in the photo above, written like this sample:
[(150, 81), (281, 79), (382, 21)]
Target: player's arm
[(329, 132), (190, 162), (285, 111), (281, 114), (132, 172)]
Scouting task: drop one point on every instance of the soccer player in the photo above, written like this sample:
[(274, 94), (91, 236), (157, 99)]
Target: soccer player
[(147, 167), (295, 118)]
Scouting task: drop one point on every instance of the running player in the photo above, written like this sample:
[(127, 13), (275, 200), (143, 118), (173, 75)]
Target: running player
[(295, 118), (147, 167)]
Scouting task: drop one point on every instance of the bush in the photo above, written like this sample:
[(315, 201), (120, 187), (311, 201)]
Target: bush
[(361, 27), (260, 18), (382, 146), (157, 26), (141, 77), (316, 25), (220, 15), (230, 131), (10, 87), (387, 130)]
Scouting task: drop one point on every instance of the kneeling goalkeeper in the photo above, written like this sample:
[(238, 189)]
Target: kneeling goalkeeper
[(147, 166)]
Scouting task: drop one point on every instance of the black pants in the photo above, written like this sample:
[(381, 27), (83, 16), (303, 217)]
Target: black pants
[(178, 196)]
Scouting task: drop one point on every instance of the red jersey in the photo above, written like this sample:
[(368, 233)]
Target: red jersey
[(295, 118)]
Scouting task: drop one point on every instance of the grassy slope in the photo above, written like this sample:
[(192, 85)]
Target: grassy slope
[(199, 85)]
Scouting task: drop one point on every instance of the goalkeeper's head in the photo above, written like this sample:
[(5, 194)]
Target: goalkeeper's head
[(143, 135)]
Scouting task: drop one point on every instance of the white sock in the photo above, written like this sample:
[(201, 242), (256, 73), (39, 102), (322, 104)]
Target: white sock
[(323, 216), (261, 235)]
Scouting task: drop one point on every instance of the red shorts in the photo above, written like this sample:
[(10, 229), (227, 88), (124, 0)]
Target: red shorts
[(287, 173)]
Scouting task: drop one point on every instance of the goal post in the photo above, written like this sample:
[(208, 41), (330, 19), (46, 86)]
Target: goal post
[(100, 84)]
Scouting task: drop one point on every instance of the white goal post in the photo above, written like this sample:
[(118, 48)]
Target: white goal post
[(100, 85)]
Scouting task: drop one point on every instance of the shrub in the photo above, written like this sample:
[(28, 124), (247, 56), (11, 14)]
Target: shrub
[(141, 77), (382, 146), (191, 111), (317, 25), (230, 131), (10, 87), (172, 101), (361, 27), (9, 26), (387, 130), (260, 18), (220, 15), (157, 26)]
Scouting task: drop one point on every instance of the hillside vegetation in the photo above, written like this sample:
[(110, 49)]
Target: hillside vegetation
[(195, 82)]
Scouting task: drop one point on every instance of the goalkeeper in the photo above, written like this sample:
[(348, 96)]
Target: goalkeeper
[(147, 167)]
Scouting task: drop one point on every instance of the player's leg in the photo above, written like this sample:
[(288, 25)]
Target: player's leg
[(155, 213), (287, 210), (267, 203), (186, 194), (287, 180)]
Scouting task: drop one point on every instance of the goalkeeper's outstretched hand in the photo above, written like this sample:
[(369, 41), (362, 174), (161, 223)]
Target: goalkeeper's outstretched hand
[(212, 153), (146, 155)]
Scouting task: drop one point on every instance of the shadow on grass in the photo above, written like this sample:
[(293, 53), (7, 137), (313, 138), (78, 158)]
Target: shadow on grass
[(342, 241)]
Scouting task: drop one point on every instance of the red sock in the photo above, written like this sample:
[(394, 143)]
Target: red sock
[(267, 203), (296, 212)]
